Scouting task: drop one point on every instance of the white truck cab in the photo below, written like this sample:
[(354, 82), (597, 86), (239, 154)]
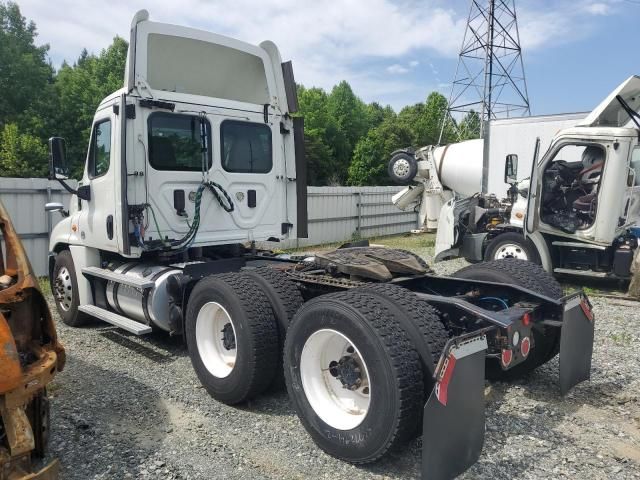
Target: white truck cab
[(196, 152)]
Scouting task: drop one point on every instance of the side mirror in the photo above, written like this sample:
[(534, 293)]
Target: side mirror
[(58, 169), (56, 207), (511, 169)]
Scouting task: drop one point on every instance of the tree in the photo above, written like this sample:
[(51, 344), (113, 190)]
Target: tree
[(370, 157), (26, 80), (24, 71), (79, 89), (469, 127), (21, 154)]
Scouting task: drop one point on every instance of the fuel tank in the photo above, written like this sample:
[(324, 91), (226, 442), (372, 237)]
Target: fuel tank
[(149, 306)]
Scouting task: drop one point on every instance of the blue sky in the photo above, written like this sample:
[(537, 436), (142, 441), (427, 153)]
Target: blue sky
[(391, 51)]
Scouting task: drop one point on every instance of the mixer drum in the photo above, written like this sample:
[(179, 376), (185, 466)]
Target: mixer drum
[(459, 166), (150, 306)]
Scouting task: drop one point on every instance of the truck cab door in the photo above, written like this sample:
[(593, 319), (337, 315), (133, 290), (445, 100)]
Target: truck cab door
[(97, 216)]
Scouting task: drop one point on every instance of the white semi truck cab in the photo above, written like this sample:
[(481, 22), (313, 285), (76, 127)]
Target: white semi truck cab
[(576, 213), (196, 154)]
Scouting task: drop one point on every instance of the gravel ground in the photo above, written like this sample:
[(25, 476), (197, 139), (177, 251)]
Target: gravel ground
[(129, 407)]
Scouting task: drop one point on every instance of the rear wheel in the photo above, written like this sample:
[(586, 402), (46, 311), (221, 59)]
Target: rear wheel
[(65, 290), (232, 337), (353, 375), (533, 277)]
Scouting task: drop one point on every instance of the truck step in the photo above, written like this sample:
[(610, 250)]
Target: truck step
[(131, 280), (115, 319), (578, 245), (584, 273)]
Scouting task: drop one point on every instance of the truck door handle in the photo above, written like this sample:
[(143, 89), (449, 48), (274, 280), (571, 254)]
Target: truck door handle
[(110, 227)]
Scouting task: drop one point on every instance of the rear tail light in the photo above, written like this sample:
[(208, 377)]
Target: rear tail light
[(506, 357), (525, 347), (526, 319)]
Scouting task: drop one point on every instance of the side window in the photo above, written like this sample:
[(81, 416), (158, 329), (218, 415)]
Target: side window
[(100, 151), (246, 147), (635, 164), (175, 142)]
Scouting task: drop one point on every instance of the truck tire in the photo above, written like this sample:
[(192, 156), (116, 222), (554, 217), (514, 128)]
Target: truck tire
[(420, 321), (352, 375), (283, 294), (533, 277), (511, 245), (65, 290), (402, 168), (232, 337)]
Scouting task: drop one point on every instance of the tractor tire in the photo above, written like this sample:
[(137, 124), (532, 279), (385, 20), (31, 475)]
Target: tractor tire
[(353, 375), (232, 337), (420, 321), (65, 290), (511, 245), (283, 294), (533, 277)]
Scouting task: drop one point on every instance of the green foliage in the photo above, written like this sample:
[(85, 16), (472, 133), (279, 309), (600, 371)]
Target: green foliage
[(79, 90), (21, 154), (470, 126)]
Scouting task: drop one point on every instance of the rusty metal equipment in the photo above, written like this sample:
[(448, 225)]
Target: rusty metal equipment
[(30, 356)]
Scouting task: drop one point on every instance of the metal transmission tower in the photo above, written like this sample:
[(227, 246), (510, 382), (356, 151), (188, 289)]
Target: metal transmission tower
[(489, 78)]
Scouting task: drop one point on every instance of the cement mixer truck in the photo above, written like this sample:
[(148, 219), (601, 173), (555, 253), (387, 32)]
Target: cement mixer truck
[(576, 213)]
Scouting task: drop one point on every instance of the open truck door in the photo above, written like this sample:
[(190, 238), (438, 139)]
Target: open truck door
[(218, 117)]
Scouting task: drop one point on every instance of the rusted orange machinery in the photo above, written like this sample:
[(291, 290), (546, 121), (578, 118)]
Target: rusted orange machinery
[(30, 356)]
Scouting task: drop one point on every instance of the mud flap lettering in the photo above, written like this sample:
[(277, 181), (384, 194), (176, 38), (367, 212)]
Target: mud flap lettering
[(576, 343), (453, 422)]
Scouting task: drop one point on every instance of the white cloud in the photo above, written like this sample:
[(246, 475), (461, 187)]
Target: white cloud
[(397, 69), (327, 40), (598, 8)]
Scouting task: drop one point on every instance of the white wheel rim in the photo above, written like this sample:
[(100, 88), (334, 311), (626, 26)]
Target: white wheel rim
[(218, 356), (339, 406), (401, 168), (511, 250), (63, 289)]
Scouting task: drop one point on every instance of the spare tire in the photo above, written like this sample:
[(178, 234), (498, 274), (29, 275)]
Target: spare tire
[(403, 168)]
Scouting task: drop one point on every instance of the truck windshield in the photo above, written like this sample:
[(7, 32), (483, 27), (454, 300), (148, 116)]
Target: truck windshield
[(175, 142)]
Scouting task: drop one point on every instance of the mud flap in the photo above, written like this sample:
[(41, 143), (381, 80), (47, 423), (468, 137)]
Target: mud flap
[(453, 422), (576, 343)]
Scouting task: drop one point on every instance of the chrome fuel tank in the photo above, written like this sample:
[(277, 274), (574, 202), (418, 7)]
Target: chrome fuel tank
[(149, 306)]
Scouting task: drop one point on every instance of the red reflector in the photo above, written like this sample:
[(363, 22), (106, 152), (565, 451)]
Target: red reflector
[(526, 319), (525, 346), (586, 309), (507, 356), (442, 386)]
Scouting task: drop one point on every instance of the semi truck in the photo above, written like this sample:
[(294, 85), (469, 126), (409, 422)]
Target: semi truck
[(576, 211), (199, 156)]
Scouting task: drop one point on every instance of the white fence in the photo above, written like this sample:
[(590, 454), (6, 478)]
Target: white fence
[(336, 214), (339, 214)]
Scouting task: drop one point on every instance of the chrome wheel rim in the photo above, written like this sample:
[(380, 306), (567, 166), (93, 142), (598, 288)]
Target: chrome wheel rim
[(63, 289), (401, 167)]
